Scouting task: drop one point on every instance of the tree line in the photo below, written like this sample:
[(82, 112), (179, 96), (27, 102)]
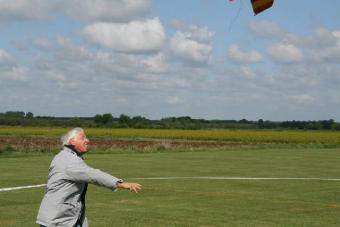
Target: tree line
[(21, 118)]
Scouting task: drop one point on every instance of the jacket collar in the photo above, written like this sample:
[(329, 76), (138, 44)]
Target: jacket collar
[(71, 149)]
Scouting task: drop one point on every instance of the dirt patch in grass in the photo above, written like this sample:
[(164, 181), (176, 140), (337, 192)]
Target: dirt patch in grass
[(43, 143)]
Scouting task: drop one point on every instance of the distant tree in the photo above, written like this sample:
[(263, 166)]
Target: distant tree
[(98, 119), (327, 124), (185, 118), (29, 115), (243, 121), (260, 123), (124, 120), (106, 118), (139, 122), (15, 114), (336, 126), (75, 122)]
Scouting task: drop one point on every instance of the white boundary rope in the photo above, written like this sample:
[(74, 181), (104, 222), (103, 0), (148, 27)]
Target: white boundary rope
[(239, 178), (200, 178), (21, 187)]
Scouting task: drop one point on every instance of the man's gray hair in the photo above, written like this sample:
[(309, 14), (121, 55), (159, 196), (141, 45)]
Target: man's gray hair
[(65, 139)]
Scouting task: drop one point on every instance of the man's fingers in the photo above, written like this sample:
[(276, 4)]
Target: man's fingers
[(132, 187), (135, 187)]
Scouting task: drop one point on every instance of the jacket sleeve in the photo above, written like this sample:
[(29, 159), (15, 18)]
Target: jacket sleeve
[(81, 172)]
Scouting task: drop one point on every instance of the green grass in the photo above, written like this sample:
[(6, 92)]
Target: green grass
[(191, 202)]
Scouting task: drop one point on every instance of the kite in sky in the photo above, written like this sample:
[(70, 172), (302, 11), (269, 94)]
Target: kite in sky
[(260, 5)]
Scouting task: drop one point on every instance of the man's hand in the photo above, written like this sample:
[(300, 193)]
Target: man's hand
[(133, 187)]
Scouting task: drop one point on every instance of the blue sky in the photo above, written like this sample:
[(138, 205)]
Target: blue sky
[(199, 58)]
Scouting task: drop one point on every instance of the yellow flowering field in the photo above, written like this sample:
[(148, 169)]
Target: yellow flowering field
[(332, 137)]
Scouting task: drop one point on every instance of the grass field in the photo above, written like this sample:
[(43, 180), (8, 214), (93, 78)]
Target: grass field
[(191, 202)]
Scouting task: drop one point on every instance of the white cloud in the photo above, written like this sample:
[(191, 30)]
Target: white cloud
[(325, 37), (174, 100), (302, 99), (248, 72), (133, 37), (328, 55), (194, 32), (285, 53), (155, 64), (106, 10), (322, 46), (5, 58), (337, 35), (80, 64), (182, 83), (24, 9), (192, 43), (148, 78), (17, 73), (321, 38), (190, 49), (85, 10), (266, 29), (326, 48), (67, 50), (236, 55), (42, 44)]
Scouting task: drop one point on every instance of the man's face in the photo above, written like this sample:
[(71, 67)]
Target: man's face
[(80, 142)]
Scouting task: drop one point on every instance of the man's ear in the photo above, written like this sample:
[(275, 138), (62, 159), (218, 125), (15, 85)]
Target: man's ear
[(71, 141)]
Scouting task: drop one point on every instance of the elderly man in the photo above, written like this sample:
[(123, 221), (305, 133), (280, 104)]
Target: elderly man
[(64, 200)]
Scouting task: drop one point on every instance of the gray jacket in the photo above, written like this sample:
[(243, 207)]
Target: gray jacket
[(67, 178)]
